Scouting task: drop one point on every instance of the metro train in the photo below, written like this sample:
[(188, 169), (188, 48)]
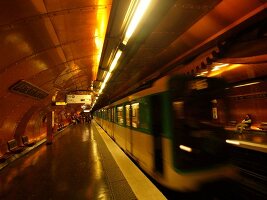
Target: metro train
[(173, 130)]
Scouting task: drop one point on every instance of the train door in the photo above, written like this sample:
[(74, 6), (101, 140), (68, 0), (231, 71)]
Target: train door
[(128, 119), (112, 122), (156, 111)]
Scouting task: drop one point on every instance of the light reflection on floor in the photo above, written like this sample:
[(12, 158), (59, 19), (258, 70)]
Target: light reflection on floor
[(70, 167)]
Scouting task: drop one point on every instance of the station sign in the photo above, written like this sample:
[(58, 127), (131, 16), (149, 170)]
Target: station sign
[(28, 89), (77, 98)]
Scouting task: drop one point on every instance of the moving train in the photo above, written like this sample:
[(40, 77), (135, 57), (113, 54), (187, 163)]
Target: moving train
[(173, 130)]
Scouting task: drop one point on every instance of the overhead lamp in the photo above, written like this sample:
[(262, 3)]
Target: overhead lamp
[(104, 82), (107, 77), (219, 66), (185, 148), (202, 73), (236, 142), (115, 61), (253, 83), (138, 13), (102, 87), (137, 16), (111, 69)]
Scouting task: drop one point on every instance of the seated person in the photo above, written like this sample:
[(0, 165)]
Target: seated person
[(246, 123)]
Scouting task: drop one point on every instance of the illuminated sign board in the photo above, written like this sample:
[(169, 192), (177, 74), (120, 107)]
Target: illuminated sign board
[(76, 98), (26, 88)]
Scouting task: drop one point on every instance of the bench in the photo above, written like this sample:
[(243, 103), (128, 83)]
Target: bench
[(26, 142), (232, 123), (257, 129), (263, 126), (4, 157), (13, 146)]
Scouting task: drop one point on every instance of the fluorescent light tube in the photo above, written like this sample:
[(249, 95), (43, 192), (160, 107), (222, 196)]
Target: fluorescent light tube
[(115, 61), (137, 16)]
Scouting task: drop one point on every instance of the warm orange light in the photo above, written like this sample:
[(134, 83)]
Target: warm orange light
[(247, 84), (219, 66), (235, 142), (185, 148), (61, 103), (136, 18), (100, 31), (224, 68)]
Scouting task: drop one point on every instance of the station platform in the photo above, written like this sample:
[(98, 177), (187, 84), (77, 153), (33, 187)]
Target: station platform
[(249, 140), (82, 163)]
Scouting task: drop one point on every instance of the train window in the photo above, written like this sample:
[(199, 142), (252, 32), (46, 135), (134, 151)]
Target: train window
[(109, 114), (178, 107), (198, 84), (112, 115), (120, 115), (135, 115), (128, 115), (105, 114)]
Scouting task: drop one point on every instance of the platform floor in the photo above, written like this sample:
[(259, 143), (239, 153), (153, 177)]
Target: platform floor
[(249, 140), (82, 163)]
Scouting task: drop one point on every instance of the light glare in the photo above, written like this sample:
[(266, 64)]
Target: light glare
[(138, 14), (233, 142), (246, 84), (185, 148), (107, 77), (114, 62)]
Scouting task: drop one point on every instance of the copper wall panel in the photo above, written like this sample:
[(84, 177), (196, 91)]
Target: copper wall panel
[(25, 41), (23, 10)]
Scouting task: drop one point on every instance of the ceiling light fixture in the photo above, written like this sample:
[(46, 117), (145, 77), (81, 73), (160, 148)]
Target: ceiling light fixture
[(134, 14), (253, 83), (136, 18), (115, 61), (111, 69), (185, 148), (219, 66)]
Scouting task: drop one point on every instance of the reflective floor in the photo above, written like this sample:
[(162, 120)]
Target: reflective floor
[(84, 163), (71, 168)]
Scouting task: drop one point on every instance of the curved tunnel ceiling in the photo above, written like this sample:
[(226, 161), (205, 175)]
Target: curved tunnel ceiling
[(57, 45), (54, 45)]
